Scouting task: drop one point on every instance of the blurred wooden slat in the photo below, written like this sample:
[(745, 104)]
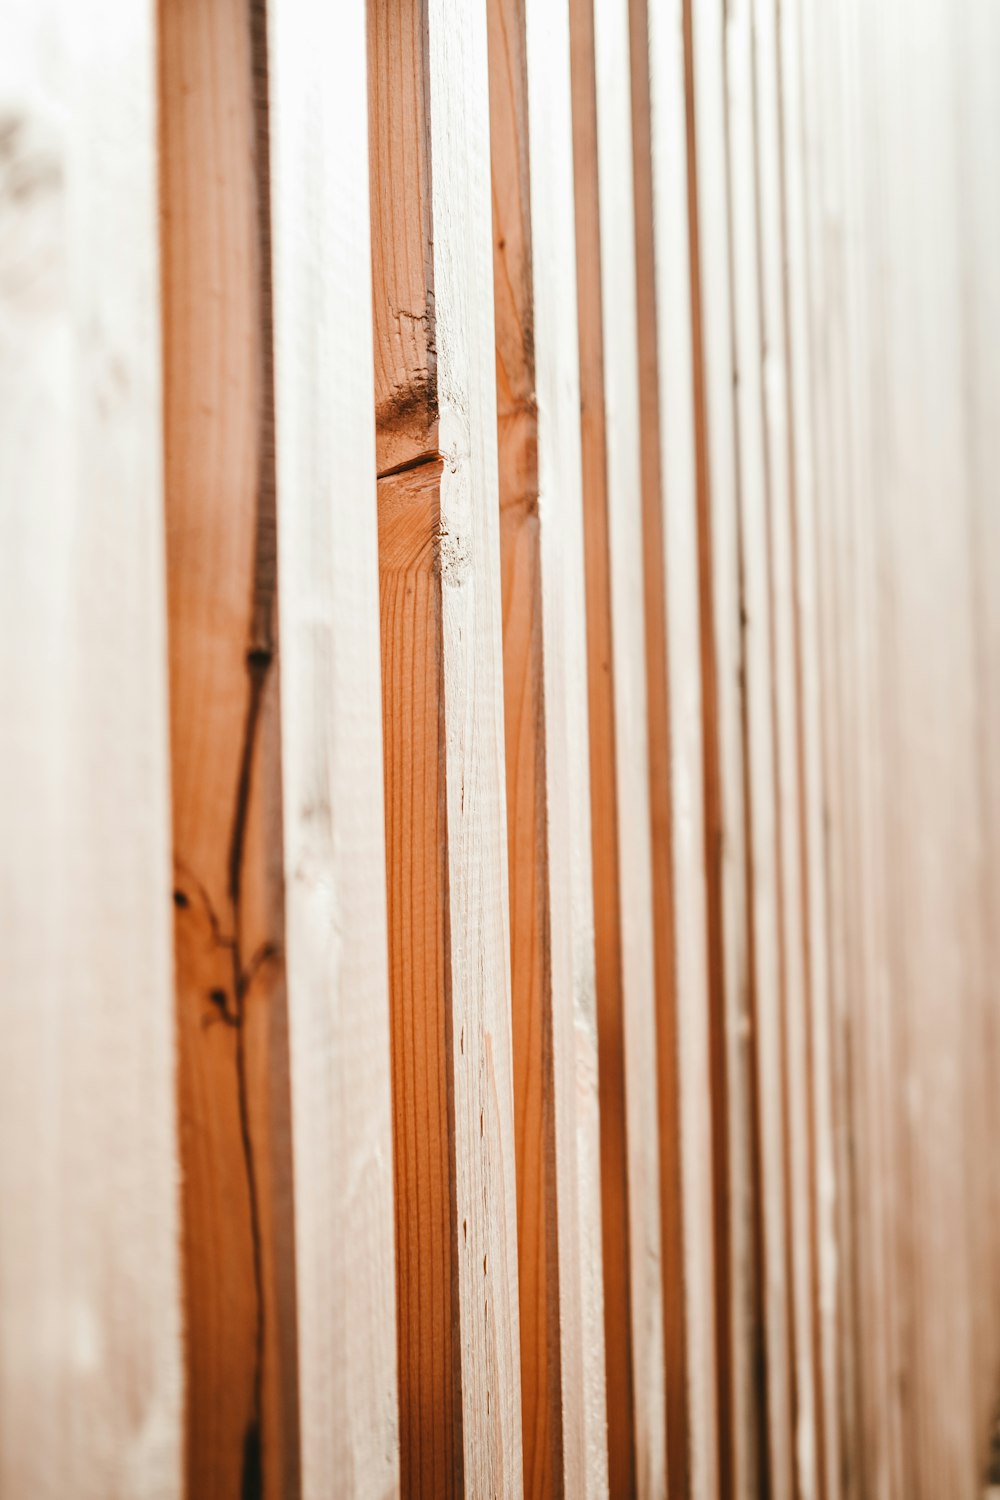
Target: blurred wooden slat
[(460, 1407), (755, 1409), (619, 766), (802, 484), (331, 753), (552, 934), (767, 976), (827, 449), (228, 897), (788, 781), (707, 1384), (90, 1316)]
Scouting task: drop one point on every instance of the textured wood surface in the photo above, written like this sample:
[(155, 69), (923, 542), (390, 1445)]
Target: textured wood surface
[(228, 867), (541, 531), (609, 387), (90, 1315), (735, 1139), (768, 976), (456, 1228), (331, 753)]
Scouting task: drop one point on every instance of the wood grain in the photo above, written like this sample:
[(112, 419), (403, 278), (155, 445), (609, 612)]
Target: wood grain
[(331, 753), (460, 1407), (619, 767), (228, 866), (703, 1391), (90, 1309), (552, 964), (737, 1145), (802, 530), (768, 976)]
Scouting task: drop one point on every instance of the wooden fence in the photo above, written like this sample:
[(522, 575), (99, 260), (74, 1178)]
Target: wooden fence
[(500, 497)]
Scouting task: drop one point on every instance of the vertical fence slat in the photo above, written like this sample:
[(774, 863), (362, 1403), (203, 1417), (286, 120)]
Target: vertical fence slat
[(90, 1328), (803, 483), (786, 678), (609, 382), (700, 1392), (331, 752), (545, 684), (767, 979), (228, 873), (738, 1214), (443, 720)]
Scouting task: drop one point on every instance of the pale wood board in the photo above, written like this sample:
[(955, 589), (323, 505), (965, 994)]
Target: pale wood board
[(785, 688), (331, 753), (228, 858), (552, 930), (767, 978), (707, 1377), (90, 1311), (609, 380), (738, 1231), (810, 725), (428, 85)]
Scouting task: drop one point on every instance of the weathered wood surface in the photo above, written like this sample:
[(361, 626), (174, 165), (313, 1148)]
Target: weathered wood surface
[(90, 1315), (435, 396), (331, 753), (545, 686)]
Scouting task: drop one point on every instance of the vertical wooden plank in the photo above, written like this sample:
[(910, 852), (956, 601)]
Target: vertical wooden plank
[(828, 451), (978, 111), (331, 752), (764, 874), (802, 480), (706, 1398), (609, 388), (228, 867), (90, 1336), (785, 684), (545, 685), (756, 1406), (443, 726)]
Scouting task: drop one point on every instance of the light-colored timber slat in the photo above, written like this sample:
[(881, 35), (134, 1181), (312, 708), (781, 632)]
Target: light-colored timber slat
[(745, 1457), (90, 1310), (768, 978), (545, 684), (456, 1224), (785, 680), (331, 753), (701, 1390), (802, 487), (228, 868), (619, 767)]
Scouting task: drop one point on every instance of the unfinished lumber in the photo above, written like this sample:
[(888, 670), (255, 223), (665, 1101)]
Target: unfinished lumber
[(619, 766), (768, 978), (90, 1304), (228, 866), (754, 1406), (545, 695), (802, 448), (331, 753), (702, 1390), (443, 725), (785, 672)]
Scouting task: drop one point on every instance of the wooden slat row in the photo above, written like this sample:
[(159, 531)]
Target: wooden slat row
[(527, 540)]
